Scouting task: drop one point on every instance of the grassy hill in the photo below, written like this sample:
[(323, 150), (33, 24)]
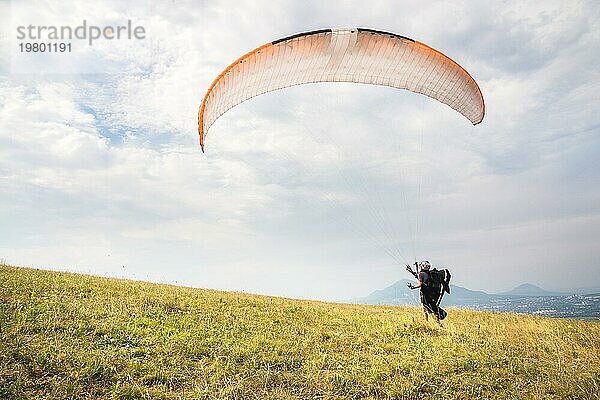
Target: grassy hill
[(73, 336)]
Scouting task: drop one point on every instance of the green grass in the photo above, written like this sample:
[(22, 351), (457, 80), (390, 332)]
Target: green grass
[(69, 336)]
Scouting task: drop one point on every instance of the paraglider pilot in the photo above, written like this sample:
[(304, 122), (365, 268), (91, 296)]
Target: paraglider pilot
[(432, 289)]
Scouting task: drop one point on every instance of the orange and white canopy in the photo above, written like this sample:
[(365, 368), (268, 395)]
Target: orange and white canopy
[(342, 55)]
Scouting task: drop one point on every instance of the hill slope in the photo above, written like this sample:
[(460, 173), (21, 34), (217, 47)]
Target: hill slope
[(73, 336)]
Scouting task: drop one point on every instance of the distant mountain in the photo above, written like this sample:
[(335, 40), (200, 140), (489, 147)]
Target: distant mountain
[(395, 294), (526, 298), (399, 294), (527, 289), (463, 297)]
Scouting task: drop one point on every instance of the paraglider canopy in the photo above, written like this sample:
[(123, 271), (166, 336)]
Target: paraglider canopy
[(342, 55)]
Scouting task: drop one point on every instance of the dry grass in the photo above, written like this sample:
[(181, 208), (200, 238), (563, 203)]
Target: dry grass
[(73, 336)]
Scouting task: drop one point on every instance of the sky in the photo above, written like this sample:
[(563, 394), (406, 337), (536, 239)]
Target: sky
[(302, 192)]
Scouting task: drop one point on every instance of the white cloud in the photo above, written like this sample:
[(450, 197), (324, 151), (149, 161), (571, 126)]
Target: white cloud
[(111, 163)]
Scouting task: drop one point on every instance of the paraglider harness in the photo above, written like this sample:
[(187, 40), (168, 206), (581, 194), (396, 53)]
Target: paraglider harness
[(433, 288)]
